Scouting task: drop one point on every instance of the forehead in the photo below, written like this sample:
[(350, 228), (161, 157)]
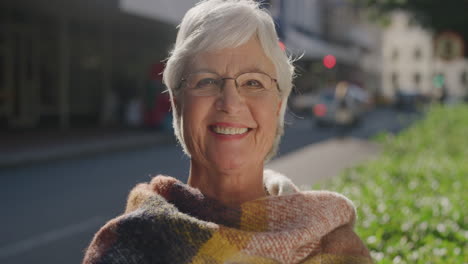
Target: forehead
[(230, 61)]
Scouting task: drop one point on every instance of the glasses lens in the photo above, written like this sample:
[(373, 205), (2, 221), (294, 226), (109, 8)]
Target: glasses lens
[(210, 84), (203, 84), (254, 83)]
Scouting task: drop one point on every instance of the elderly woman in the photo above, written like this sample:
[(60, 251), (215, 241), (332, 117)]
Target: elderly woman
[(229, 81)]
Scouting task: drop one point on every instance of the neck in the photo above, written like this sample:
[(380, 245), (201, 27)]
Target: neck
[(232, 187)]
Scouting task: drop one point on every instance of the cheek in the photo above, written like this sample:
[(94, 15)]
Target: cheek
[(194, 114), (267, 118)]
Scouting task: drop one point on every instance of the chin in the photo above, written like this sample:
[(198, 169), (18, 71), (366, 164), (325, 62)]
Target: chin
[(229, 162)]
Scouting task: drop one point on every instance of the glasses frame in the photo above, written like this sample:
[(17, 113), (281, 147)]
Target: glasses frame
[(223, 79)]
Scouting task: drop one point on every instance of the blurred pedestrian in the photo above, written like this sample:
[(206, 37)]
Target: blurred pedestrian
[(229, 82), (124, 92), (157, 102), (110, 107), (443, 95), (133, 116)]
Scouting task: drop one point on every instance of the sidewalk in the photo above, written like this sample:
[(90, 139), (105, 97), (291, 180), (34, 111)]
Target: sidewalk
[(324, 160), (23, 148)]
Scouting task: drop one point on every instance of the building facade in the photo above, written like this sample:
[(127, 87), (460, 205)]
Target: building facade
[(312, 29), (60, 61), (411, 66)]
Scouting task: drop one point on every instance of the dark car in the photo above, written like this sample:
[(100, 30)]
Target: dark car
[(343, 106)]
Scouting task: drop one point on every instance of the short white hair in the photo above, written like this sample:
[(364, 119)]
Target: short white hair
[(217, 24)]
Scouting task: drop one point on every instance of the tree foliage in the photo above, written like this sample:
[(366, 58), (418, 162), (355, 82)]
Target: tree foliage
[(439, 15)]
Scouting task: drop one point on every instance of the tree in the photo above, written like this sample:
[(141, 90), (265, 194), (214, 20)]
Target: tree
[(438, 15)]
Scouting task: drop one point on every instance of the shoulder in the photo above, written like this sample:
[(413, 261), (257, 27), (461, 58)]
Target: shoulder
[(341, 238), (160, 185), (326, 209), (333, 202), (277, 183), (344, 241)]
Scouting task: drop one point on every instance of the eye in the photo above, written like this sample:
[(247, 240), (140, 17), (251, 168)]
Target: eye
[(253, 84), (206, 82)]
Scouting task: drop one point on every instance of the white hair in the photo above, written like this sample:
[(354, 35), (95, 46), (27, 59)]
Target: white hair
[(217, 24)]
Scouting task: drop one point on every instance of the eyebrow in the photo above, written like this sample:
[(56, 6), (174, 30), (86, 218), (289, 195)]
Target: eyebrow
[(248, 69), (254, 69)]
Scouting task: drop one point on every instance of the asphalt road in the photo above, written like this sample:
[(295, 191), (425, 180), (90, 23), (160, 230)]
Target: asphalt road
[(50, 211)]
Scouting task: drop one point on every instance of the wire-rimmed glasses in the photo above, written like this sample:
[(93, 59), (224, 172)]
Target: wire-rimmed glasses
[(211, 84)]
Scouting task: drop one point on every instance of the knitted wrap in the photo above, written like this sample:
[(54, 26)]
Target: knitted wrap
[(167, 221)]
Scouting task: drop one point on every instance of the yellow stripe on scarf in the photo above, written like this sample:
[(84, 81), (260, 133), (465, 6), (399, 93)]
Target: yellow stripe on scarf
[(222, 246), (226, 243)]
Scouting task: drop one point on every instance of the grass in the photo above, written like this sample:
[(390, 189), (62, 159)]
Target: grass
[(412, 200)]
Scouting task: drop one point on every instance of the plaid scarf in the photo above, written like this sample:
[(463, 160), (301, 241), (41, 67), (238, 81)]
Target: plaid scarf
[(167, 221)]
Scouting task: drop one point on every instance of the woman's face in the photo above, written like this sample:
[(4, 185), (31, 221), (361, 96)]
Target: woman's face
[(230, 130)]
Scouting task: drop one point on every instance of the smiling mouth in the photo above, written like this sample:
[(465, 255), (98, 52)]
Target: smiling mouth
[(222, 130)]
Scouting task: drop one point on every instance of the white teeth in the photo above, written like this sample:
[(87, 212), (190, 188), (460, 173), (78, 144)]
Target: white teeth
[(229, 130)]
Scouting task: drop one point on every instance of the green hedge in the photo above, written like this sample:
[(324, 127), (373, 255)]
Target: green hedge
[(412, 200)]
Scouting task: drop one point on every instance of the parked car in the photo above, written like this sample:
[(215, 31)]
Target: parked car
[(412, 101), (302, 103), (343, 106)]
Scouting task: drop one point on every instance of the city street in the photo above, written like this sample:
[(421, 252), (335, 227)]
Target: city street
[(88, 89), (51, 210)]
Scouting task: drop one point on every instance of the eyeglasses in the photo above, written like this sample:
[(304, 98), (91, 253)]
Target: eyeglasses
[(211, 84)]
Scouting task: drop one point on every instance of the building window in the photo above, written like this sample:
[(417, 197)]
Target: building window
[(395, 54), (417, 79), (394, 78), (412, 22), (464, 78), (395, 81), (417, 54)]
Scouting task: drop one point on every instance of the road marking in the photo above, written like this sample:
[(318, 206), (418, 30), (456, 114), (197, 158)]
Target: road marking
[(48, 237)]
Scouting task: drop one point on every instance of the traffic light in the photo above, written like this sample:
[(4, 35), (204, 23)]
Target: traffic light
[(329, 61), (282, 45), (438, 81)]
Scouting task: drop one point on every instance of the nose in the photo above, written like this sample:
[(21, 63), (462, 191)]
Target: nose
[(230, 101)]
